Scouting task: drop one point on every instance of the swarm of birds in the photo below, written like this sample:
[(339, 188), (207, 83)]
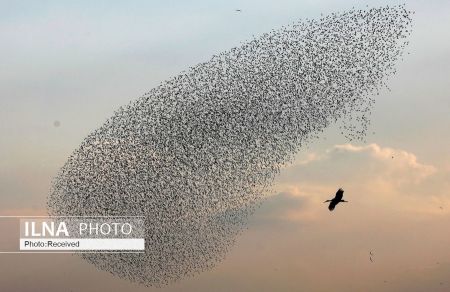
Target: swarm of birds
[(196, 154)]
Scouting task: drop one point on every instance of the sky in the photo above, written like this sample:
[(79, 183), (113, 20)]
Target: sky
[(76, 62)]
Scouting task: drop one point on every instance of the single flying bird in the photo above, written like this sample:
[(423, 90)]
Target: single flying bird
[(336, 200)]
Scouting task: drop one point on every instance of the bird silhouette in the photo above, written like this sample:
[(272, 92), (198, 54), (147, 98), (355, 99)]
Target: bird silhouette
[(336, 200), (371, 255)]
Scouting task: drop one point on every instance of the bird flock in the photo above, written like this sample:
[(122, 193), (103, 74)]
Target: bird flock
[(197, 154)]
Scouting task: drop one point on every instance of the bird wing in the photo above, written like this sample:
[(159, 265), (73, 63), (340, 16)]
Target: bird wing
[(339, 195), (333, 204)]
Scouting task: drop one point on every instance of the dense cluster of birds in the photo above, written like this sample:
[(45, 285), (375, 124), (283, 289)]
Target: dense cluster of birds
[(196, 154)]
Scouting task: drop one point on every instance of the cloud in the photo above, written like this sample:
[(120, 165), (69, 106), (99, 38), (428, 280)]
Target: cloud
[(371, 163), (372, 175), (290, 203), (397, 162)]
